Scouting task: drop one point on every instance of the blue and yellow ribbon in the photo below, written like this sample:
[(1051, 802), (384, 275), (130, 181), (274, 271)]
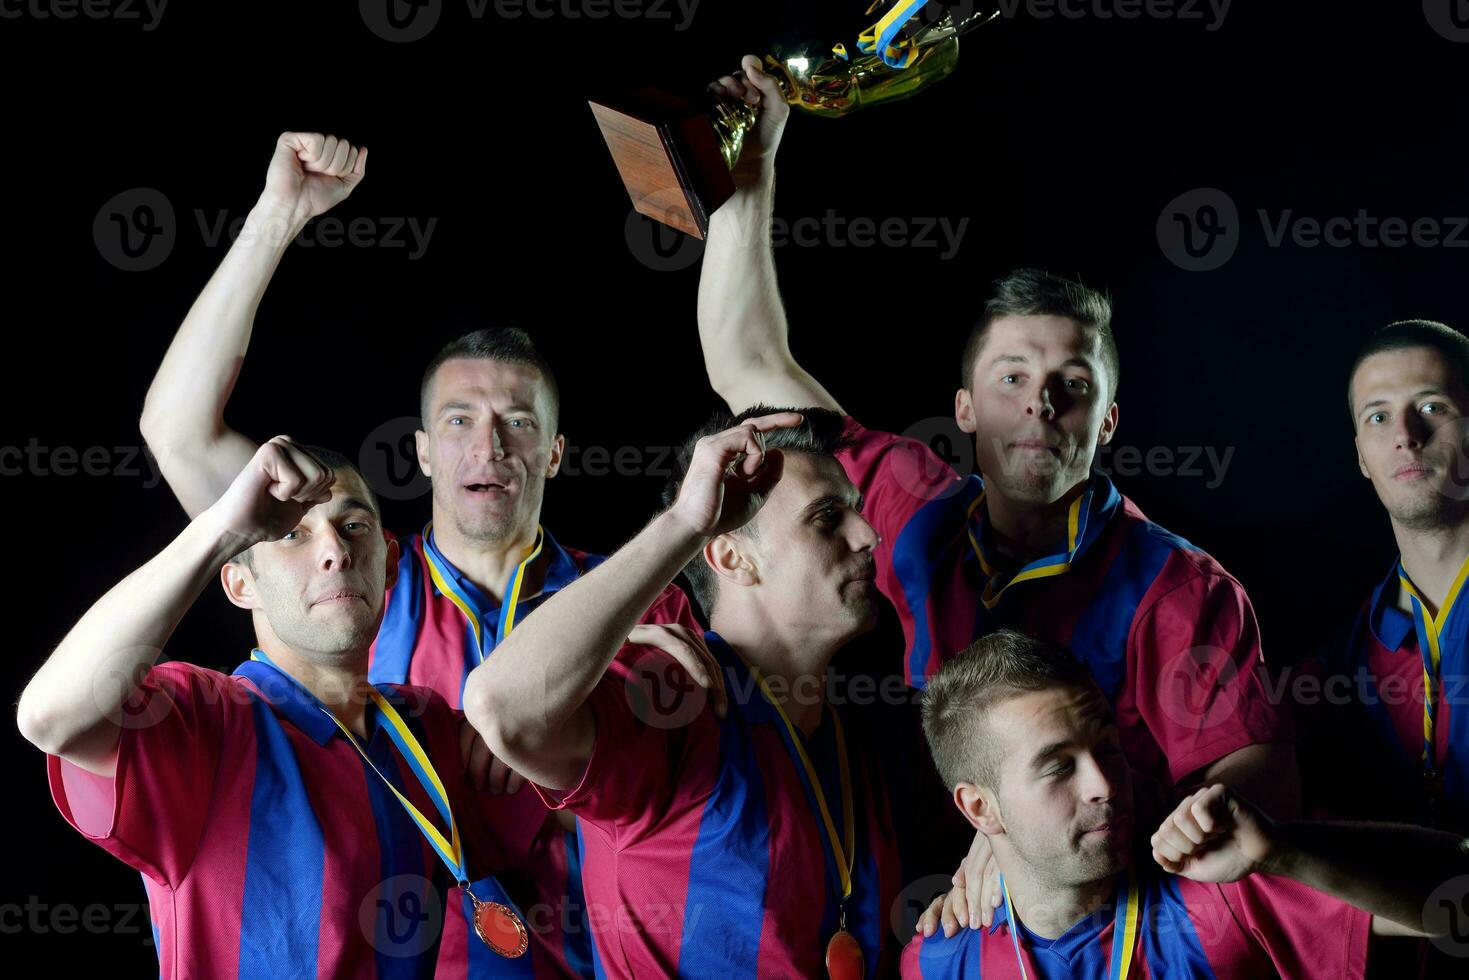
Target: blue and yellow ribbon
[(995, 585), (882, 38), (449, 849), (1124, 930), (1430, 631), (510, 604), (844, 846)]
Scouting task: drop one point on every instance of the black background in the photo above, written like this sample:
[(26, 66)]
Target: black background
[(1060, 140)]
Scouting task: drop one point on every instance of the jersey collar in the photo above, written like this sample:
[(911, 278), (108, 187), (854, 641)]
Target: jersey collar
[(302, 708), (561, 571)]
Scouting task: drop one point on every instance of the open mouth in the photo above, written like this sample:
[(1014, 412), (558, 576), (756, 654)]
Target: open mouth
[(486, 488)]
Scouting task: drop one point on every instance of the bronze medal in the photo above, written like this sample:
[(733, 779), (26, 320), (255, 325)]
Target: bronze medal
[(500, 928), (844, 957)]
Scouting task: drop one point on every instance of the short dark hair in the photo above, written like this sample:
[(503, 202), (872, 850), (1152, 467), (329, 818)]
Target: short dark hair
[(1034, 292), (507, 345), (821, 433), (337, 463), (992, 669), (1407, 334)]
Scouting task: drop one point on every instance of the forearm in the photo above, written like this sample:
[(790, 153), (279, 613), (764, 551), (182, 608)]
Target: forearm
[(1267, 774), (72, 706), (742, 322), (183, 414), (1389, 870), (526, 697)]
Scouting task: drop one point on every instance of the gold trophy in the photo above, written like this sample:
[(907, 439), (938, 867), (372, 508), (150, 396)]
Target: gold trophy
[(675, 156)]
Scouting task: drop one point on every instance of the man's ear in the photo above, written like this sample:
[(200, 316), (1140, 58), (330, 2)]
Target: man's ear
[(239, 585), (420, 444), (1109, 426), (964, 411), (730, 557), (395, 551), (980, 807), (558, 448)]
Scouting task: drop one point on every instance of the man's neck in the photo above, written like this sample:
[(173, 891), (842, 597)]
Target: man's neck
[(489, 565), (343, 690), (1049, 910), (1432, 558), (794, 671), (1025, 531)]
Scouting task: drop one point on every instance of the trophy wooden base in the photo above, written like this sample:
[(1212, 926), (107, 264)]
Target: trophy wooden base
[(668, 154)]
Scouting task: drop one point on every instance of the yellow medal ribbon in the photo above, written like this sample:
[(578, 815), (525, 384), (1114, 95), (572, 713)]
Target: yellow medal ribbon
[(1125, 923), (444, 581), (844, 851), (1430, 629), (1056, 565)]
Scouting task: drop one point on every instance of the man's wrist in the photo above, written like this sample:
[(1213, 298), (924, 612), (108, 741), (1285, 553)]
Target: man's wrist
[(273, 223), (1282, 852)]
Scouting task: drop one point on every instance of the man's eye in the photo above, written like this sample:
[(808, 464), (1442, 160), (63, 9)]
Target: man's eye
[(457, 420), (1009, 379), (1432, 408), (355, 525), (1377, 418), (291, 535), (1077, 384), (1060, 770), (519, 423)]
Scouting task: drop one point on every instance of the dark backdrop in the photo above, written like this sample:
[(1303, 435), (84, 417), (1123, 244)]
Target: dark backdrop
[(1062, 142)]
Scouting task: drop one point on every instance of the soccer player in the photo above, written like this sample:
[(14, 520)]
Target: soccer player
[(1408, 648), (1033, 752), (1037, 541), (489, 443), (752, 844), (290, 819)]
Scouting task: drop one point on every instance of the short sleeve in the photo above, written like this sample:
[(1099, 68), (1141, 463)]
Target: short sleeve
[(896, 475), (1197, 673), (1306, 934), (642, 754), (151, 813), (672, 606)]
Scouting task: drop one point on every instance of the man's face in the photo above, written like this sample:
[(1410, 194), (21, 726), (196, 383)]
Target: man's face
[(813, 550), (489, 447), (321, 586), (1039, 405), (1064, 789), (1408, 408)]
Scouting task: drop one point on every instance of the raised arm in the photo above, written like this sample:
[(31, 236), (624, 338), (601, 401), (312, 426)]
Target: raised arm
[(183, 415), (1389, 870), (73, 707), (742, 324), (529, 700)]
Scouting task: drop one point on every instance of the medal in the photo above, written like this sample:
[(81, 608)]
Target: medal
[(843, 955), (498, 926)]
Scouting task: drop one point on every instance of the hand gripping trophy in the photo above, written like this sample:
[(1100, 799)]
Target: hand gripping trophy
[(675, 156)]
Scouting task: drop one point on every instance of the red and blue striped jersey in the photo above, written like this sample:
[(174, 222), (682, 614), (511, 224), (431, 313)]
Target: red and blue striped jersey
[(1380, 666), (269, 848), (425, 640), (704, 850), (1169, 635), (1260, 926)]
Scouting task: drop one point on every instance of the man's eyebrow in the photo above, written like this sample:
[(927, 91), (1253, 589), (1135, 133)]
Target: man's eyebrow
[(345, 504)]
